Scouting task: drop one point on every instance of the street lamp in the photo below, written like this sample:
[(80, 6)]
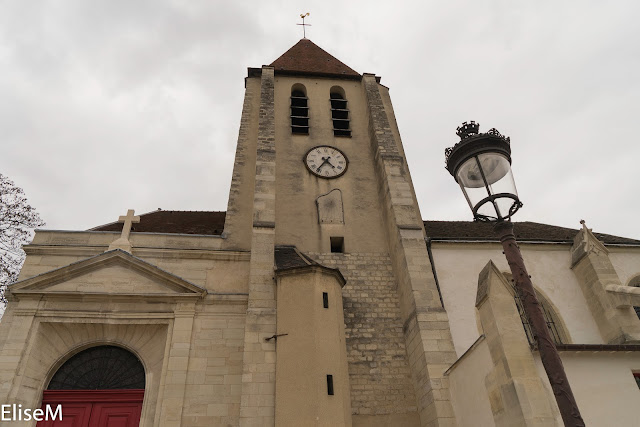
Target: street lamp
[(481, 165)]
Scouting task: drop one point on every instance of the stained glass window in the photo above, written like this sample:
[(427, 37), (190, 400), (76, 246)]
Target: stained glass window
[(100, 368)]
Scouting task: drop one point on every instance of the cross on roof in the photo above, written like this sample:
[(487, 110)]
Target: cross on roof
[(304, 26), (123, 241), (128, 220)]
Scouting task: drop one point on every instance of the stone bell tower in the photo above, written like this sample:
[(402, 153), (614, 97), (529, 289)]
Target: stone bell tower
[(344, 322)]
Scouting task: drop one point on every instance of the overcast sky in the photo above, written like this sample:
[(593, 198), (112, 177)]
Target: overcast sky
[(109, 105)]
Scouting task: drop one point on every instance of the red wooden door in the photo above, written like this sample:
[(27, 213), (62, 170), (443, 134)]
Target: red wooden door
[(74, 415), (94, 408)]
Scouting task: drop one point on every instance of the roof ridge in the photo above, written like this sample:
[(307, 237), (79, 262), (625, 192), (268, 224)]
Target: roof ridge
[(179, 210), (525, 231), (212, 223)]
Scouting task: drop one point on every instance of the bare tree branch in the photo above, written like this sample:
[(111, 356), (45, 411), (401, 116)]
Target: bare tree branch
[(17, 222)]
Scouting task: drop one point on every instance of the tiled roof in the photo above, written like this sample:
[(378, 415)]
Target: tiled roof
[(289, 257), (180, 222), (305, 57), (525, 231), (212, 223)]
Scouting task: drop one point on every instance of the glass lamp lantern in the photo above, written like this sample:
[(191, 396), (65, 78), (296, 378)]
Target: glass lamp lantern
[(481, 165)]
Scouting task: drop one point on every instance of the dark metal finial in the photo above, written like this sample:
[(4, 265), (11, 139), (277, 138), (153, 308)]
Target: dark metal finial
[(467, 130), (304, 26), (472, 139)]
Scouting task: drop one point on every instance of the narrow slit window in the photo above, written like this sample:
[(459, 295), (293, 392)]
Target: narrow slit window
[(337, 244), (299, 112), (330, 385), (325, 300), (339, 115)]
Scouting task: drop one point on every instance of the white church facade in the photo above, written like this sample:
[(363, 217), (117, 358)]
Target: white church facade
[(320, 297)]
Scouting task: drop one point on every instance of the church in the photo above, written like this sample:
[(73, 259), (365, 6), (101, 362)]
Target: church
[(320, 297)]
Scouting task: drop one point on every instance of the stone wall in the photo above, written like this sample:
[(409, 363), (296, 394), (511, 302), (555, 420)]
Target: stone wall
[(378, 368), (214, 376)]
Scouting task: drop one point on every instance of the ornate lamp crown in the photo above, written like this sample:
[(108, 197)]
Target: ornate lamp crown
[(473, 142), (467, 130)]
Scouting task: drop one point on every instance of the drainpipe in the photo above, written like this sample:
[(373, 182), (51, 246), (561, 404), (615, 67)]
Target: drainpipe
[(433, 268)]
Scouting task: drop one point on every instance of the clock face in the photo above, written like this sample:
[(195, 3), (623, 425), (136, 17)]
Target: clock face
[(326, 162)]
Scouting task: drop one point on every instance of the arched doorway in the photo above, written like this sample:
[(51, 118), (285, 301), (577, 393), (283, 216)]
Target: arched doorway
[(101, 386)]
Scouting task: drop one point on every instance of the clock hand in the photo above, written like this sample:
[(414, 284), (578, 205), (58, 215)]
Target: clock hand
[(322, 164), (326, 160)]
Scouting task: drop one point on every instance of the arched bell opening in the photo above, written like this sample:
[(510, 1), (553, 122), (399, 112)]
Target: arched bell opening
[(299, 110), (339, 112)]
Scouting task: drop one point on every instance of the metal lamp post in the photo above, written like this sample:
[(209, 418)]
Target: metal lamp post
[(481, 165)]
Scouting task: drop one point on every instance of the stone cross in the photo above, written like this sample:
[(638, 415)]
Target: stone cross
[(123, 241)]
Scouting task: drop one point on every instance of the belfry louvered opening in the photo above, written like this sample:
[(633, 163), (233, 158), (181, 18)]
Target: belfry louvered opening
[(299, 112), (339, 114)]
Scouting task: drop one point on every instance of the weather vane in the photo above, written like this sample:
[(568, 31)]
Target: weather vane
[(304, 33)]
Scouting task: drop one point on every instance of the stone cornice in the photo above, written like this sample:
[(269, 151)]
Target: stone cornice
[(593, 348), (63, 316), (624, 296), (99, 296), (181, 253)]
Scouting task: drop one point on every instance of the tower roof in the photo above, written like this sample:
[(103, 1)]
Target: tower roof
[(305, 57)]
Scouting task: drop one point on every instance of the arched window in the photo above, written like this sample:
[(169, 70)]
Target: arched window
[(100, 368), (635, 282), (100, 386), (558, 335), (339, 112), (299, 110)]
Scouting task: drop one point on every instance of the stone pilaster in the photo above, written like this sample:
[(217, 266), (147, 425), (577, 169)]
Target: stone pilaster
[(15, 348), (516, 392), (426, 326), (590, 262), (257, 406), (175, 381)]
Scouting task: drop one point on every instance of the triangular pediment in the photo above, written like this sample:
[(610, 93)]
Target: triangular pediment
[(114, 272)]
